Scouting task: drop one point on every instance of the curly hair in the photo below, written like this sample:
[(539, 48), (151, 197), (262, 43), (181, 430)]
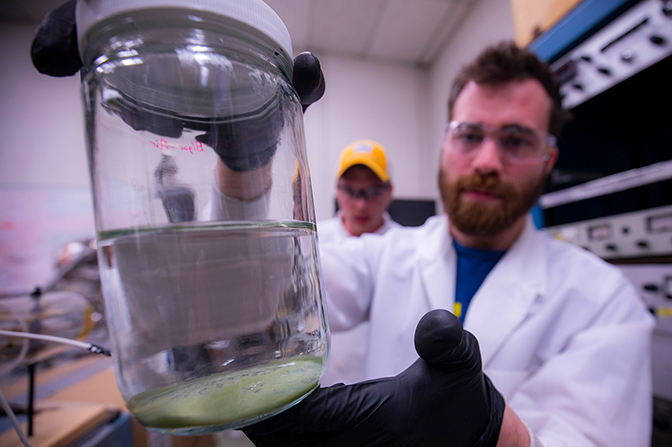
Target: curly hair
[(504, 62)]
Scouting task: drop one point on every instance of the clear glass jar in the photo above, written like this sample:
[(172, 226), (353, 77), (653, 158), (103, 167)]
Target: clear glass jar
[(204, 213)]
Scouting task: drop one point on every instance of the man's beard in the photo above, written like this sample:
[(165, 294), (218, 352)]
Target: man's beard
[(487, 219)]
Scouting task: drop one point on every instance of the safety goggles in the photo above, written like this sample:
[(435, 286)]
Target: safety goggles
[(516, 143), (371, 193)]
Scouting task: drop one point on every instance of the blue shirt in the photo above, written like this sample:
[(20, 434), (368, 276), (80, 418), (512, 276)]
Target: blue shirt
[(473, 265)]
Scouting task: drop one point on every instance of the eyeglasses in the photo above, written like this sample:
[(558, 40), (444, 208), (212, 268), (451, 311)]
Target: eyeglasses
[(369, 194), (516, 143)]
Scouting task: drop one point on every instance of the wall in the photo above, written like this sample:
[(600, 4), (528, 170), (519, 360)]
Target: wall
[(378, 101), (44, 184)]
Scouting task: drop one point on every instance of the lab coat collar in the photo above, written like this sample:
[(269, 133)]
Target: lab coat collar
[(437, 262), (504, 297)]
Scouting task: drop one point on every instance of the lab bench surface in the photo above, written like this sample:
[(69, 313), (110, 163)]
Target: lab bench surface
[(78, 404)]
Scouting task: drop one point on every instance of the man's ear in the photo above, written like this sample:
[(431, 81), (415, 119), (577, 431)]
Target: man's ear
[(552, 158)]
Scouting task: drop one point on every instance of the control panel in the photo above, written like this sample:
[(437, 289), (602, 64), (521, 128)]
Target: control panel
[(631, 235), (654, 285), (632, 42)]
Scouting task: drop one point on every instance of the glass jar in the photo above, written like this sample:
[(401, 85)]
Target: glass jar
[(203, 207)]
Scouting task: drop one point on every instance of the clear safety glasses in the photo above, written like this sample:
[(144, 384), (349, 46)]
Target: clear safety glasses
[(372, 193), (516, 143)]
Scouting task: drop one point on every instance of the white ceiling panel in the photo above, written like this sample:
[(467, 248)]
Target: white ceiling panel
[(449, 24), (345, 25), (406, 27)]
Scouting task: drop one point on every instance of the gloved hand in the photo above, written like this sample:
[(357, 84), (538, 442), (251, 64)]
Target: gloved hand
[(241, 144), (255, 138), (443, 399)]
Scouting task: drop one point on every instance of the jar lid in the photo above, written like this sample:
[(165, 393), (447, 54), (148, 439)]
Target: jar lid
[(255, 13)]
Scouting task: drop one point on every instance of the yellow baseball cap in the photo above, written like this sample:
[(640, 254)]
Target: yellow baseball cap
[(367, 153)]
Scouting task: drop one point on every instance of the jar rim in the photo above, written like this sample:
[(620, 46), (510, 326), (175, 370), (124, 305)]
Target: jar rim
[(255, 13)]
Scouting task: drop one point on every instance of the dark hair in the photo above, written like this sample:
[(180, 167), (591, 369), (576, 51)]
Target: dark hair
[(504, 62)]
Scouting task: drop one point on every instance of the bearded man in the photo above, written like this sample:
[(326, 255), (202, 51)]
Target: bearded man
[(564, 339)]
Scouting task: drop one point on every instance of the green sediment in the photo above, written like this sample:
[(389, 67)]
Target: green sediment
[(226, 399)]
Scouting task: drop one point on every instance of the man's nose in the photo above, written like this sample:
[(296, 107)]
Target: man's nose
[(489, 157), (360, 201)]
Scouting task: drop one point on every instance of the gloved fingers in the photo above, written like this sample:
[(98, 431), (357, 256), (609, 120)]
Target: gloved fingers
[(54, 49), (243, 146), (143, 117), (326, 410), (441, 340), (454, 353), (308, 79)]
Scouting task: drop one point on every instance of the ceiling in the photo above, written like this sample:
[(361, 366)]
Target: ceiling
[(402, 31)]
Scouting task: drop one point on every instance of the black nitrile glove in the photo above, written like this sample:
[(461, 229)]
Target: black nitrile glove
[(308, 79), (249, 142), (54, 50), (242, 143), (443, 399)]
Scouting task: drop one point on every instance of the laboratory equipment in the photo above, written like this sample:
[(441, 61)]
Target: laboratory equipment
[(611, 189)]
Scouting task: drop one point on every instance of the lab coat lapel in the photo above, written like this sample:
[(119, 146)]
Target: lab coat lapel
[(505, 297), (437, 268)]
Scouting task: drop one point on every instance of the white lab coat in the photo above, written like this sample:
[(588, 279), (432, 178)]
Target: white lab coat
[(348, 349), (563, 335)]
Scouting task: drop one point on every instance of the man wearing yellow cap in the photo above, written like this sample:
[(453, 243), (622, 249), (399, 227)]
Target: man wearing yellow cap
[(363, 193)]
